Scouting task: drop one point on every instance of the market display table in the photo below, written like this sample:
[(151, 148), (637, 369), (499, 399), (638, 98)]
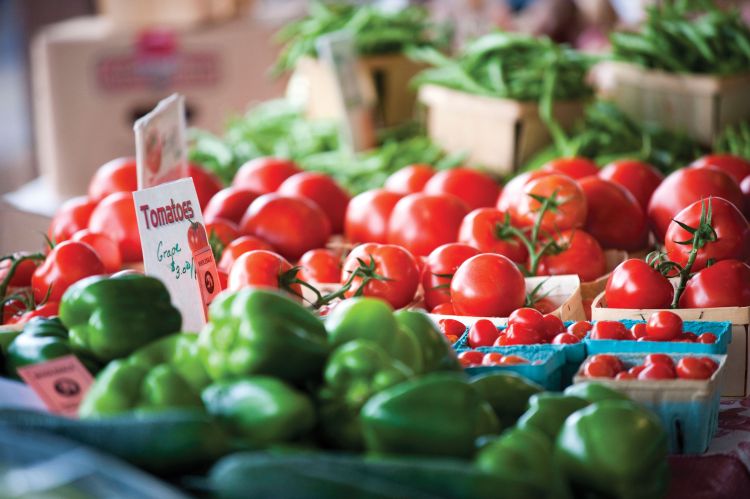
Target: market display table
[(724, 470)]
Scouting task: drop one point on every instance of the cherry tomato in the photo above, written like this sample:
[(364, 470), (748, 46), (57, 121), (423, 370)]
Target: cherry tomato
[(693, 368), (422, 222), (474, 188), (570, 212), (264, 269), (708, 338), (197, 238), (104, 246), (321, 190), (636, 370), (732, 230), (575, 167), (264, 175), (482, 333), (527, 317), (612, 360), (640, 179), (443, 309), (71, 217), (520, 334), (685, 186), (452, 327), (320, 265), (512, 360), (624, 376), (206, 184), (492, 359), (487, 285), (391, 262), (656, 371), (614, 216), (544, 305), (12, 310), (598, 369), (688, 336), (118, 175), (552, 325), (580, 255), (47, 309), (238, 247), (230, 204), (638, 330), (664, 326), (580, 329), (634, 284), (116, 217), (513, 191), (723, 284), (367, 216), (482, 229), (736, 167), (291, 225), (223, 230), (609, 330), (22, 273), (711, 363), (438, 271), (409, 179), (658, 358), (450, 338), (470, 358), (67, 263), (565, 339)]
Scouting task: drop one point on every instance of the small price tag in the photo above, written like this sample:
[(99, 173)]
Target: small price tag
[(161, 143), (176, 248), (339, 52), (60, 383)]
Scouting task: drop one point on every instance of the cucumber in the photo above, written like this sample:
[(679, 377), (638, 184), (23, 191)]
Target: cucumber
[(322, 475), (161, 442)]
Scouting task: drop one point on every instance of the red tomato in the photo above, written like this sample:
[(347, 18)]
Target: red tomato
[(409, 179), (640, 179), (452, 327), (520, 334), (367, 216), (638, 330), (492, 359), (708, 338), (22, 274), (487, 285), (116, 217), (658, 358), (482, 333), (262, 269), (732, 230), (580, 329), (67, 263), (664, 326), (320, 265), (12, 310), (575, 167), (723, 284), (118, 175), (688, 336), (470, 358), (321, 190), (222, 230), (482, 229), (105, 247), (636, 370), (571, 210), (693, 368), (527, 317), (393, 263), (513, 191), (609, 330), (736, 167), (206, 184), (474, 188), (197, 239), (745, 188), (614, 216), (612, 360), (230, 204), (624, 376), (238, 247), (634, 284), (443, 309), (656, 371), (711, 363), (48, 309), (512, 360), (71, 217), (422, 222), (264, 175), (682, 188), (291, 225), (544, 305), (565, 339), (223, 278), (580, 255), (598, 369), (438, 271), (552, 325)]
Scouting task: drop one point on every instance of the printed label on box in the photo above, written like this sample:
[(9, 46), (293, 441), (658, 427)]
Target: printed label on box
[(176, 248), (339, 52), (60, 383), (161, 143)]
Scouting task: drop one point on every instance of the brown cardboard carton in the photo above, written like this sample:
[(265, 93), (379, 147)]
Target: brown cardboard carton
[(499, 134), (699, 105), (136, 13), (91, 81)]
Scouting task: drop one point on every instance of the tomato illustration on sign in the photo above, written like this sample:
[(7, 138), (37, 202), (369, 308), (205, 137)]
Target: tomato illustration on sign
[(197, 239), (153, 151)]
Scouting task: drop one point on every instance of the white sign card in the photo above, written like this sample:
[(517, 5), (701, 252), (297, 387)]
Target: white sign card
[(161, 143), (176, 249), (339, 52)]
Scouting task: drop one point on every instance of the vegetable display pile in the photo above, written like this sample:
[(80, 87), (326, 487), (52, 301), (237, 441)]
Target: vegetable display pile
[(656, 366), (686, 36)]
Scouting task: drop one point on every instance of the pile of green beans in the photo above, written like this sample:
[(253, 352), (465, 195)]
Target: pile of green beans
[(688, 37), (735, 140)]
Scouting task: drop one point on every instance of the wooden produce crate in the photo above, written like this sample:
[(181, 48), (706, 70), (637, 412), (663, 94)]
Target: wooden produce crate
[(498, 134), (699, 105)]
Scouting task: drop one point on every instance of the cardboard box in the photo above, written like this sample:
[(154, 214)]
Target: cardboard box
[(136, 13), (499, 134), (699, 105), (737, 381), (92, 81)]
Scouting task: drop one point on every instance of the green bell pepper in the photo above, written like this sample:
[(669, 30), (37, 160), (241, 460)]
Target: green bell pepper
[(507, 393), (43, 339), (547, 412), (615, 449), (593, 392), (260, 409), (257, 331), (164, 374), (437, 414), (437, 353), (110, 317), (356, 371)]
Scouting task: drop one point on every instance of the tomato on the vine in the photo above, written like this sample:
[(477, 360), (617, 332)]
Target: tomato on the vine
[(580, 254), (512, 193), (72, 216), (637, 177), (67, 263), (723, 284), (105, 247), (46, 309), (239, 246), (367, 216), (117, 175), (116, 217), (474, 188), (22, 273), (264, 175), (320, 265), (634, 284), (264, 269), (575, 167), (569, 213), (230, 204), (483, 229), (439, 269), (321, 190), (409, 179), (487, 285)]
